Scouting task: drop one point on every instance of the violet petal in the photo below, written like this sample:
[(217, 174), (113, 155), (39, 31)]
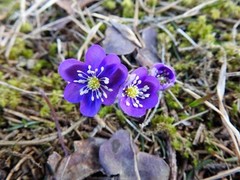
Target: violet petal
[(68, 69), (71, 92), (94, 56), (88, 107), (130, 110)]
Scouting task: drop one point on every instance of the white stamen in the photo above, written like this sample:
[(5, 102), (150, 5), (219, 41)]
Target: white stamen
[(141, 92), (81, 81), (104, 94)]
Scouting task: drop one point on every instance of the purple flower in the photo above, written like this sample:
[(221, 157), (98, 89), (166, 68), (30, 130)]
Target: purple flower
[(139, 93), (93, 82), (165, 74)]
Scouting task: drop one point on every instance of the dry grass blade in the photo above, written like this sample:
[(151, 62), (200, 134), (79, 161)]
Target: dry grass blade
[(126, 32), (210, 105), (220, 91), (43, 140), (192, 12), (91, 35)]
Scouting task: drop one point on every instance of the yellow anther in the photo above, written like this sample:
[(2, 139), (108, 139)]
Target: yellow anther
[(93, 83), (132, 91)]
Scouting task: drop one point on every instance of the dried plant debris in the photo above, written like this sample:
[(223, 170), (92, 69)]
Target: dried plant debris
[(79, 165), (120, 39), (147, 55), (119, 156)]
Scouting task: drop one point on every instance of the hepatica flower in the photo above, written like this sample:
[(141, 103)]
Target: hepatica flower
[(93, 82), (139, 93), (165, 74)]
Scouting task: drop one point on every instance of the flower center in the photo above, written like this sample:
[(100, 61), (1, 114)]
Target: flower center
[(135, 93), (132, 91), (93, 83), (163, 77)]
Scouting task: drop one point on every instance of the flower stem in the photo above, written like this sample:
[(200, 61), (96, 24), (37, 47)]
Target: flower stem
[(148, 120), (54, 117)]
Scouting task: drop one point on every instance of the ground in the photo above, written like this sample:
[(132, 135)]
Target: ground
[(195, 126)]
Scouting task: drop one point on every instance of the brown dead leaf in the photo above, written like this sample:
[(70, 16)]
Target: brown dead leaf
[(79, 165)]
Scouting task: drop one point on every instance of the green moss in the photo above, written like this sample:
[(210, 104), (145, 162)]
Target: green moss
[(234, 110), (20, 49), (128, 8), (27, 53), (45, 111), (215, 13), (26, 27), (171, 102), (41, 64), (109, 4), (9, 97), (233, 86), (120, 116), (56, 98), (105, 110), (164, 39), (201, 30), (103, 27), (152, 3), (189, 3), (53, 49), (89, 22), (164, 124), (68, 107), (17, 49), (183, 66)]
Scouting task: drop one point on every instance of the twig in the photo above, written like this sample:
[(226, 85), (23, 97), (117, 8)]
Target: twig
[(43, 140), (172, 161), (224, 174), (233, 74), (23, 90), (17, 166), (198, 134), (55, 118)]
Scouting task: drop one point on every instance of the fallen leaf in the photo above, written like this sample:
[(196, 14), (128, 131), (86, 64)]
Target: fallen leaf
[(79, 165), (120, 156), (147, 56), (117, 156), (120, 39), (152, 167)]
